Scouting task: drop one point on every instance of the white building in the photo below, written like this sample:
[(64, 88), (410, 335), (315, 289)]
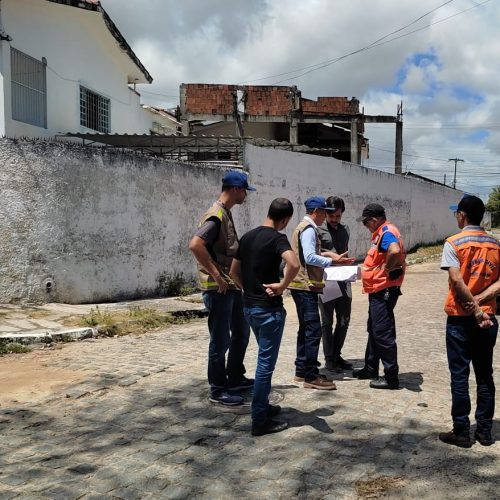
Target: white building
[(65, 67)]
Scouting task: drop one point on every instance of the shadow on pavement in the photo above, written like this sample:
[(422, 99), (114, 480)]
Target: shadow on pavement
[(153, 440)]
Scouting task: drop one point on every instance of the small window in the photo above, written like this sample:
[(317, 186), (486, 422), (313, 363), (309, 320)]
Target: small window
[(94, 111), (29, 89)]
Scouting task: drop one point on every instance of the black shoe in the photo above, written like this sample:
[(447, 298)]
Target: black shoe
[(382, 383), (240, 384), (364, 374), (343, 364), (483, 438), (269, 427), (226, 399), (273, 410), (461, 440), (330, 365)]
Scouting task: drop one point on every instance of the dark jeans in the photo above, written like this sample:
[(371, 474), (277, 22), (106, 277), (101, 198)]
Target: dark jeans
[(381, 345), (229, 331), (466, 342), (267, 325), (308, 336), (333, 340)]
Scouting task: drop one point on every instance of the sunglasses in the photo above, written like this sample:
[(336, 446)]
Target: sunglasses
[(365, 221)]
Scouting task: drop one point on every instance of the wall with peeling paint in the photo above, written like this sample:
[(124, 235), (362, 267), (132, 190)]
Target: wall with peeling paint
[(91, 224)]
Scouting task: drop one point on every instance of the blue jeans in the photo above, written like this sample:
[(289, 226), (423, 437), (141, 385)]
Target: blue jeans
[(267, 325), (466, 343), (381, 345), (308, 336), (229, 331)]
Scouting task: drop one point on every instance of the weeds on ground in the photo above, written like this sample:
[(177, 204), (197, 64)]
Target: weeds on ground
[(431, 250), (7, 347), (122, 322), (374, 488)]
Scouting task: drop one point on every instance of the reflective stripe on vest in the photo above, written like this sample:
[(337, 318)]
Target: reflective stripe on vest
[(479, 257)]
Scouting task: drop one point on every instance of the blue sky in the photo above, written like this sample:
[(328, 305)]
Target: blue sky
[(444, 66)]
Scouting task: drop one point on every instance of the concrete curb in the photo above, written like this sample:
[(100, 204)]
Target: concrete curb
[(49, 337)]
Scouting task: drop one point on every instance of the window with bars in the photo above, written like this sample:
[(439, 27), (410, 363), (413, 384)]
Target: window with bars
[(29, 89), (94, 111)]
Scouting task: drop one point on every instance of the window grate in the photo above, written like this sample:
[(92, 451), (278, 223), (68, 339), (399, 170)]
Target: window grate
[(29, 89), (94, 111)]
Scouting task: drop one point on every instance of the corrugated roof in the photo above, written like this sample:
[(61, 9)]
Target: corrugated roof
[(95, 5)]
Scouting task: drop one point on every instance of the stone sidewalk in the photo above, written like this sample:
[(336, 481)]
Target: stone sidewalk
[(139, 425), (32, 324)]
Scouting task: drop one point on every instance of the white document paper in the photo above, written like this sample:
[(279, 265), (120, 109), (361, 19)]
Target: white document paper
[(331, 291), (342, 273)]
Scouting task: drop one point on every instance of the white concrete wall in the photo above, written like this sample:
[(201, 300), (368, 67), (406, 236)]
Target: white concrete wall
[(418, 208), (79, 50), (103, 225)]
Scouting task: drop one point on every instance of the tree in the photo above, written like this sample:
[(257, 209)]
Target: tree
[(493, 206)]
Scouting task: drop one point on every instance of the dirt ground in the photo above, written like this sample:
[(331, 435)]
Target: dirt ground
[(28, 377)]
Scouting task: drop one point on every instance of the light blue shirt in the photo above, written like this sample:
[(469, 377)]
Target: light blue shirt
[(308, 242), (450, 257)]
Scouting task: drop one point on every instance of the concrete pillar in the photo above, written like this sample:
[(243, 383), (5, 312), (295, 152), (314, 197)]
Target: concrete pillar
[(355, 151), (294, 132)]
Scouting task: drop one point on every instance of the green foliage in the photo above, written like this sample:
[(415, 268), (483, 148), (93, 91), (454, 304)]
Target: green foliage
[(7, 347), (173, 285), (493, 206)]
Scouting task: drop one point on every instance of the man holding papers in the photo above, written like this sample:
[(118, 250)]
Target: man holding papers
[(305, 289), (334, 236)]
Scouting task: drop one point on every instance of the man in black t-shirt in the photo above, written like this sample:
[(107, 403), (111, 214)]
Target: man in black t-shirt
[(256, 269)]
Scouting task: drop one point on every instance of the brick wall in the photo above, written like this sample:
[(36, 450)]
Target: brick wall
[(331, 105), (210, 99), (261, 100), (268, 101)]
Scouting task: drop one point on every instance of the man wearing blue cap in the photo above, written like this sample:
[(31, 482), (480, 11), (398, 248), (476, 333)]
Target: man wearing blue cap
[(306, 287), (214, 245), (472, 259)]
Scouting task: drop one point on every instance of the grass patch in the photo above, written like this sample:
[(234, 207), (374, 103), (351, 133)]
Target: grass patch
[(374, 488), (426, 250), (7, 347), (122, 322)]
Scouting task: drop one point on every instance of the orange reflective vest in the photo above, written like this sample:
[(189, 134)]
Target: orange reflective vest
[(479, 257), (373, 273)]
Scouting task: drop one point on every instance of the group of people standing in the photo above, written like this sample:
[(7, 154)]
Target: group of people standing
[(243, 282)]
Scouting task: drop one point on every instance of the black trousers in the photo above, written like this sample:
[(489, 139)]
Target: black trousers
[(381, 345), (333, 339)]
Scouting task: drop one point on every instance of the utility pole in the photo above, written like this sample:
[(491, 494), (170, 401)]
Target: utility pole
[(398, 159), (456, 160)]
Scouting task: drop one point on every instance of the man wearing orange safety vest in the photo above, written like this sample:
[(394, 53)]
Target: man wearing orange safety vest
[(472, 259), (382, 273)]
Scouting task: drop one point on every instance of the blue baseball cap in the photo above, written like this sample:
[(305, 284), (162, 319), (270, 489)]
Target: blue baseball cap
[(317, 202), (234, 178), (454, 208)]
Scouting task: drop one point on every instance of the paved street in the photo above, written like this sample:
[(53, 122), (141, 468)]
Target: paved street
[(137, 424)]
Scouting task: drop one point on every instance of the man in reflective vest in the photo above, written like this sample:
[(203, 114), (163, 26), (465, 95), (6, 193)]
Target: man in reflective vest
[(214, 245), (382, 274), (472, 259), (305, 288)]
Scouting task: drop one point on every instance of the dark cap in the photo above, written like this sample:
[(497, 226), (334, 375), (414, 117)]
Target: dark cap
[(317, 202), (470, 205), (234, 178), (372, 210)]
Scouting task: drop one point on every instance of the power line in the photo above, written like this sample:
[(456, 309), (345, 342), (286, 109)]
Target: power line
[(371, 46)]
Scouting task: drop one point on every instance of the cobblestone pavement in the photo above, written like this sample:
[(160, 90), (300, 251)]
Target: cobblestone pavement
[(139, 425)]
